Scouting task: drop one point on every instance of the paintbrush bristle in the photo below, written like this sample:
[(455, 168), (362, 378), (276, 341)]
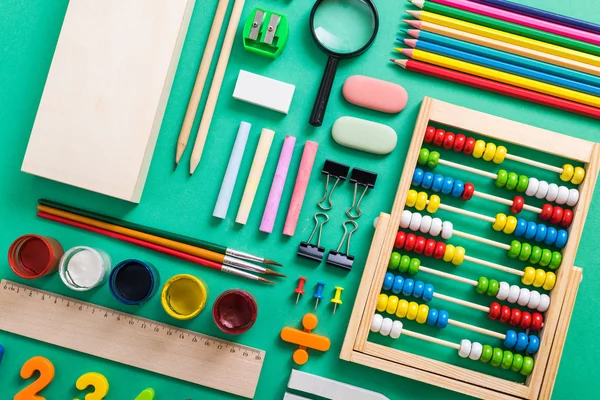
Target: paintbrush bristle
[(271, 262), (266, 280), (274, 273)]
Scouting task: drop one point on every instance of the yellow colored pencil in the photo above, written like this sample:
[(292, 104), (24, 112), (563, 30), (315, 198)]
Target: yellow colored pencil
[(503, 77), (506, 37), (503, 46)]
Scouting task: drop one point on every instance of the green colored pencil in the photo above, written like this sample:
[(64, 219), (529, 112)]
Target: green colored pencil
[(507, 27)]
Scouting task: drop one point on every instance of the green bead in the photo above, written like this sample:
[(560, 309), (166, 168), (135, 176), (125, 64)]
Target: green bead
[(515, 249), (482, 285), (414, 266), (434, 157), (546, 257), (394, 261), (507, 359), (502, 178), (513, 180), (527, 366), (404, 263), (493, 288), (556, 260), (497, 357), (523, 182), (486, 353), (517, 363), (525, 252), (536, 255), (423, 156)]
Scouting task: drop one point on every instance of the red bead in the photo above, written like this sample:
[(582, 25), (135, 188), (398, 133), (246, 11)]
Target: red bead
[(429, 134), (420, 245), (525, 320), (440, 250), (536, 321), (517, 205), (400, 238), (515, 317), (468, 192), (469, 146), (459, 142), (546, 212), (567, 218), (448, 141), (504, 314), (410, 242), (429, 247), (494, 312), (438, 139), (557, 215)]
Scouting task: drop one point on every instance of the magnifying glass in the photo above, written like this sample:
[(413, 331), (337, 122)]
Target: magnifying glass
[(342, 29)]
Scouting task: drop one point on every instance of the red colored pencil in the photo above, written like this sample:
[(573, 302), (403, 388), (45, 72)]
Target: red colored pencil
[(498, 87)]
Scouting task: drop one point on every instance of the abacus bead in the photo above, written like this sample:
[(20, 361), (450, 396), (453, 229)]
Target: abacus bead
[(449, 254), (550, 281), (420, 245), (573, 197), (578, 176), (513, 295), (438, 139), (544, 303), (522, 342), (523, 182), (419, 289), (521, 227), (376, 322), (425, 223), (408, 287), (525, 252), (429, 134), (429, 247), (459, 142), (511, 339), (515, 249), (417, 177), (536, 321), (414, 265), (546, 257), (567, 218), (515, 317), (476, 350), (539, 277), (396, 329), (497, 357), (388, 281), (541, 233), (534, 300), (442, 320), (423, 156), (513, 181), (529, 276), (503, 291), (415, 221), (428, 292), (532, 187), (392, 305), (517, 205), (411, 198), (432, 317), (448, 185), (517, 362), (422, 314), (567, 173), (398, 284), (531, 230), (465, 348), (561, 239), (438, 182), (525, 320), (458, 188), (507, 359), (527, 366), (536, 254), (547, 210), (434, 204), (440, 249), (557, 214), (542, 190), (405, 218), (479, 149), (556, 260), (492, 288), (490, 152), (482, 285), (504, 314), (409, 243), (436, 227), (447, 229), (459, 255), (487, 353), (502, 178), (413, 310), (469, 146), (382, 301), (524, 296), (552, 192), (500, 155), (448, 141), (468, 192), (404, 263), (434, 157), (511, 225), (427, 180), (402, 309), (421, 202), (563, 195), (494, 312), (386, 326), (551, 235), (394, 261), (499, 222)]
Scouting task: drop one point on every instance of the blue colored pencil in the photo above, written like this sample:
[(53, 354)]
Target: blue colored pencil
[(483, 51), (500, 65)]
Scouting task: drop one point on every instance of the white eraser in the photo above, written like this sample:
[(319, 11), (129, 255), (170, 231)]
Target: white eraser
[(265, 92)]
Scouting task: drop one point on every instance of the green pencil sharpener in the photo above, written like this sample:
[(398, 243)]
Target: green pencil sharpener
[(266, 33)]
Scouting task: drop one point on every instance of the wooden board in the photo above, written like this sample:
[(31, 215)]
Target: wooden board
[(129, 340), (106, 93)]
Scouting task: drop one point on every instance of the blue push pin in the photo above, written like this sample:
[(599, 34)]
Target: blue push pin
[(1, 353), (319, 293)]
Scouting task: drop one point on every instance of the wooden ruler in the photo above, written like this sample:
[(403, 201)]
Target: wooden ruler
[(129, 340)]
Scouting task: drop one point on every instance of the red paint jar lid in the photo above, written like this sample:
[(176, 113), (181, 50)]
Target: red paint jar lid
[(33, 256), (235, 311)]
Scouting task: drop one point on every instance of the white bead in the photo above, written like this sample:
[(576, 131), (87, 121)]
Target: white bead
[(396, 329), (503, 291), (542, 190), (405, 220), (426, 223), (375, 222), (513, 294), (534, 299), (436, 227), (563, 195), (465, 348), (524, 297), (532, 187), (376, 323), (476, 350), (544, 303), (447, 230), (386, 326), (415, 222), (573, 197), (552, 192)]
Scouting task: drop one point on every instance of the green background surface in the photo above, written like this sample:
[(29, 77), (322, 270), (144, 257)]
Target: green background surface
[(173, 201)]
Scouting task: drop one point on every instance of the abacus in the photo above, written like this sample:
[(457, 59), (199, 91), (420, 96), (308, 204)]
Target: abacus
[(391, 303)]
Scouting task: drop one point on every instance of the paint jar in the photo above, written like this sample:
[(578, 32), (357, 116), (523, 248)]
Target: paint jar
[(132, 282), (235, 311), (33, 256), (184, 296), (83, 268)]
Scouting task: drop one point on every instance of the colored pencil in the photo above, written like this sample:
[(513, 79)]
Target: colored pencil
[(158, 232), (545, 15), (506, 57), (500, 76), (506, 37), (516, 29), (151, 246), (520, 19), (504, 46), (506, 67), (497, 87)]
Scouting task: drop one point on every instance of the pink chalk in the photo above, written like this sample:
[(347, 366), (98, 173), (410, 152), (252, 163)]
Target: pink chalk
[(283, 165), (306, 166), (375, 94)]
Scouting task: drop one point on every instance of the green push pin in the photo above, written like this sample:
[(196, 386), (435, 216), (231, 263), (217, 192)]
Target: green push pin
[(147, 394)]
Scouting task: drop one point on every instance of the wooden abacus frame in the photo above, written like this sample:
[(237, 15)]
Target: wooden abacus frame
[(357, 348)]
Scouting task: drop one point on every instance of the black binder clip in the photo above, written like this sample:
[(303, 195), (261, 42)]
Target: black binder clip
[(312, 252), (343, 260), (337, 171), (362, 178)]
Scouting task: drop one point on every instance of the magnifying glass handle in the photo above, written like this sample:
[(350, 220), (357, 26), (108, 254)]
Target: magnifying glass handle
[(318, 112)]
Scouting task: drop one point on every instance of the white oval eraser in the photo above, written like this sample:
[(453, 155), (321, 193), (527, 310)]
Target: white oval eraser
[(375, 94), (360, 134)]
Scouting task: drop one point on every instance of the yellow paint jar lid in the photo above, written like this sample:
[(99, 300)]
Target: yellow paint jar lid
[(184, 296)]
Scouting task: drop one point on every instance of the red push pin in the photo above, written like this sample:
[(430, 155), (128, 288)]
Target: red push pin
[(300, 288)]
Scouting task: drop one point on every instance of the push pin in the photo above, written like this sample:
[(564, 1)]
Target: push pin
[(318, 293), (343, 260), (337, 171), (310, 251), (1, 353), (360, 177), (337, 297), (300, 288), (269, 40)]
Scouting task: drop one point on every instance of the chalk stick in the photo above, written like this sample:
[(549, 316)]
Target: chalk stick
[(233, 168), (306, 166), (256, 170), (283, 165)]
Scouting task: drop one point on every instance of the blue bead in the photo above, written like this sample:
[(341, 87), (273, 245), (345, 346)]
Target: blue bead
[(511, 339), (551, 236), (409, 285), (418, 176), (427, 180), (459, 188), (531, 230), (534, 345), (428, 293), (438, 182), (448, 185), (522, 342), (442, 321), (521, 227), (398, 284), (388, 281), (541, 233), (419, 289), (432, 317), (561, 240)]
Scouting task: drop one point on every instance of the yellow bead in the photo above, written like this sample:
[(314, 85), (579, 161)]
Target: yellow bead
[(511, 225), (490, 152), (500, 155), (529, 275), (421, 201), (382, 301), (567, 173), (434, 203), (459, 255), (411, 199), (402, 309), (479, 149), (578, 176), (422, 314), (540, 277), (550, 280), (449, 253), (413, 310), (392, 305), (500, 222)]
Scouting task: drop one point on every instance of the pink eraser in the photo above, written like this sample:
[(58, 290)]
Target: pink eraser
[(306, 166), (375, 94), (283, 165)]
